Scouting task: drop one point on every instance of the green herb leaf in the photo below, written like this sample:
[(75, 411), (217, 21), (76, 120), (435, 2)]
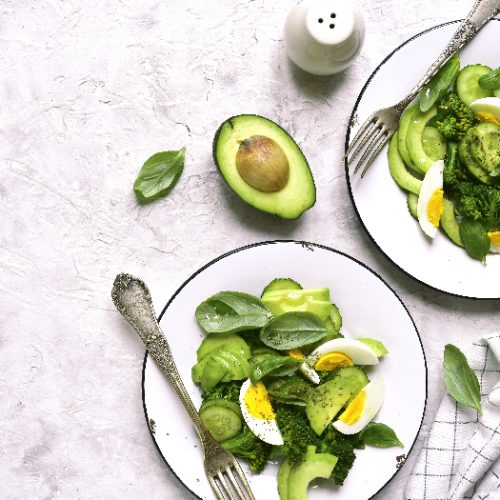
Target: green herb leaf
[(375, 345), (159, 175), (292, 391), (293, 329), (474, 239), (227, 312), (275, 366), (379, 435), (439, 83), (491, 80), (460, 379)]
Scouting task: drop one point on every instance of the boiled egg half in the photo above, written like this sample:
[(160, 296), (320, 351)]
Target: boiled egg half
[(258, 413), (363, 408), (430, 200), (338, 353), (487, 109), (494, 237)]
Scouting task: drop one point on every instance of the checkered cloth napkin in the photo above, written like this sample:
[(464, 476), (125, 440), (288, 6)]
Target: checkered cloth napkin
[(461, 458)]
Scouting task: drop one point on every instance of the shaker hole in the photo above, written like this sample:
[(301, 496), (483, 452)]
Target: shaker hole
[(332, 26), (320, 20), (333, 15)]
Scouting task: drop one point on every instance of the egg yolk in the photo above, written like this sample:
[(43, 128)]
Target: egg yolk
[(354, 410), (494, 237), (487, 117), (296, 354), (258, 403), (332, 360), (435, 207)]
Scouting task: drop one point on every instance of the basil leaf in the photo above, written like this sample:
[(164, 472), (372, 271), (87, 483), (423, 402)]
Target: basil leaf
[(474, 239), (375, 345), (276, 366), (379, 435), (460, 379), (228, 312), (159, 175), (294, 391), (439, 83), (293, 329), (491, 80)]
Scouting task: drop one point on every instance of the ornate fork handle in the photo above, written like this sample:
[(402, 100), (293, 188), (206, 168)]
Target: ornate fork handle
[(132, 298), (482, 11)]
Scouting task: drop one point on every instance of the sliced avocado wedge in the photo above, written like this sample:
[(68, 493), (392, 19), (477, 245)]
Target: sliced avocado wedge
[(328, 399), (404, 123), (282, 183), (414, 143), (314, 465), (399, 172)]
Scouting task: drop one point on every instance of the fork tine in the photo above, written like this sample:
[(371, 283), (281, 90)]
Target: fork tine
[(243, 480), (226, 488), (375, 154), (369, 148), (370, 120), (359, 147), (215, 487), (235, 483)]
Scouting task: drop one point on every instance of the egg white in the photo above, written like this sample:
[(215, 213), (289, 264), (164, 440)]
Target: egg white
[(433, 181), (359, 353), (489, 105), (375, 393), (266, 430)]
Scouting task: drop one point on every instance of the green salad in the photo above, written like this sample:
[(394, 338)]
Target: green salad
[(281, 382), (446, 155)]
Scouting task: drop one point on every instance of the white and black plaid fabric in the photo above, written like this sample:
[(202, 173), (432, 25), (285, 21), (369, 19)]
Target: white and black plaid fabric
[(461, 458)]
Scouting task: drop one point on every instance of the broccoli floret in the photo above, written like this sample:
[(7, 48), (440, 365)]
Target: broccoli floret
[(472, 199), (453, 117), (297, 434), (342, 446), (249, 447), (230, 391)]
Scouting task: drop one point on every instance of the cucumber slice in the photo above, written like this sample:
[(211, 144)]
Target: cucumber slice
[(281, 284), (398, 170), (496, 93), (221, 420), (433, 143), (404, 122), (468, 88), (412, 202), (414, 144), (449, 223), (336, 318)]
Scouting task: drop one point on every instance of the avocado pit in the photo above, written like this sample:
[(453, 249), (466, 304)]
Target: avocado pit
[(262, 164)]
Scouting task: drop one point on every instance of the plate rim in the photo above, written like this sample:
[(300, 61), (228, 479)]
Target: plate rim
[(310, 246), (346, 168)]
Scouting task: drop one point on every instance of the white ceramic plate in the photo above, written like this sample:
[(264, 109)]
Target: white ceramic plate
[(369, 308), (381, 204)]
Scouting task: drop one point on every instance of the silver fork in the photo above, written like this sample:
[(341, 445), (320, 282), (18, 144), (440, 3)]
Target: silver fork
[(380, 125), (132, 298)]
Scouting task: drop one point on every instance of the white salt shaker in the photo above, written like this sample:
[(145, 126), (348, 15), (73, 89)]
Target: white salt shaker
[(324, 36)]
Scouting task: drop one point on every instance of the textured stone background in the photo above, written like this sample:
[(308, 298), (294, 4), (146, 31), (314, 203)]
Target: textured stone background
[(88, 91)]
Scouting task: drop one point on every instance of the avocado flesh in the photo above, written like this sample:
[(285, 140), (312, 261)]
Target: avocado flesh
[(293, 481), (280, 306), (397, 167), (329, 398), (297, 195), (414, 143)]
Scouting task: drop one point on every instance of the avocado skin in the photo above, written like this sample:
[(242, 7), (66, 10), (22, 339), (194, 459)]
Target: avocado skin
[(232, 122)]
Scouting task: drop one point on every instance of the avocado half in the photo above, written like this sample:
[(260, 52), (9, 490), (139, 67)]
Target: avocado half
[(295, 197)]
